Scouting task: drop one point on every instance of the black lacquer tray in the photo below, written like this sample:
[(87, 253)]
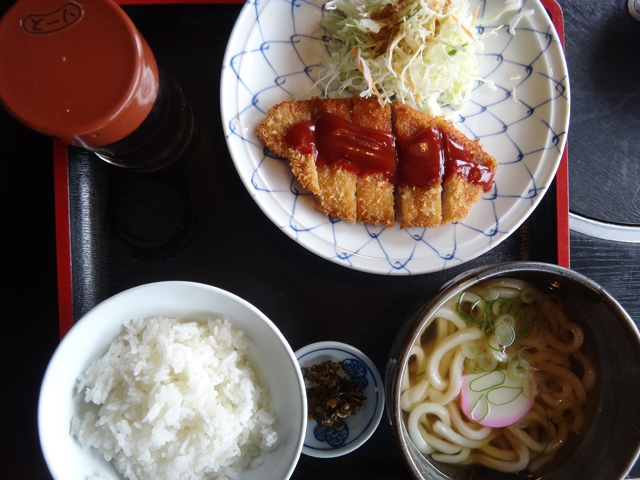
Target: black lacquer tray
[(116, 230)]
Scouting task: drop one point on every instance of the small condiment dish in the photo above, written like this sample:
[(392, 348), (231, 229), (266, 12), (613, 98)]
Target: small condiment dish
[(357, 428)]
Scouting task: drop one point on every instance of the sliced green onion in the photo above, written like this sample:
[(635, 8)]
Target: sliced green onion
[(496, 350), (491, 294), (470, 349), (506, 319), (477, 309), (486, 362), (528, 295), (519, 370), (472, 301), (505, 335), (524, 356), (493, 344), (472, 365)]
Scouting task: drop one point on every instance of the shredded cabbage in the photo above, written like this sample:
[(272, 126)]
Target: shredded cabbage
[(423, 53)]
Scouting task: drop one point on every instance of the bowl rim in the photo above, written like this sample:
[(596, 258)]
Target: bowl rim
[(415, 324)]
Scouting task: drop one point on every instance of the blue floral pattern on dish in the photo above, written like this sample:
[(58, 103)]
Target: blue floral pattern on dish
[(335, 437), (519, 114), (356, 370)]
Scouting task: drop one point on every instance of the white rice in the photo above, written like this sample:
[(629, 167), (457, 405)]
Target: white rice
[(174, 399)]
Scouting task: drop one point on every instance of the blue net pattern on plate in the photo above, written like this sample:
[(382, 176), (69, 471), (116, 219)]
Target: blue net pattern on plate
[(520, 116)]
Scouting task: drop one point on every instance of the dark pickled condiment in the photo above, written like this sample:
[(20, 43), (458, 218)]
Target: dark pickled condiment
[(331, 395)]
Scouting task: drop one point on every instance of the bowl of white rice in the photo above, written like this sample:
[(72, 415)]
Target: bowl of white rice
[(174, 380)]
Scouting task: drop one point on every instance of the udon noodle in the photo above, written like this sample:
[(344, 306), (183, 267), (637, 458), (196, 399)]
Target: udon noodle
[(510, 329)]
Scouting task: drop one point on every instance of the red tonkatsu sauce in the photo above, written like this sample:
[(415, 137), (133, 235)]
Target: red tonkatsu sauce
[(302, 137), (424, 159), (358, 149), (459, 162)]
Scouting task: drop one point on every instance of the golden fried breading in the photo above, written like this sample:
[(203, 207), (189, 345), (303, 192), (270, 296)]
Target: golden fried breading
[(416, 206), (374, 195), (375, 200), (272, 131), (338, 192), (458, 194), (353, 195), (367, 198), (337, 196), (338, 186)]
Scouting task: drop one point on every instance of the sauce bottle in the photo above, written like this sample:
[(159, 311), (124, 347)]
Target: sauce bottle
[(81, 72)]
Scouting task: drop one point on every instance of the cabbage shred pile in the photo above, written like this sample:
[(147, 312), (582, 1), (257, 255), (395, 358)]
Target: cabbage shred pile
[(422, 53)]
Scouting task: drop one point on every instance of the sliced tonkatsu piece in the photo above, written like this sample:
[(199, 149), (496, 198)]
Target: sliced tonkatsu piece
[(469, 172), (421, 169), (338, 185), (374, 196), (273, 130), (342, 186), (349, 188)]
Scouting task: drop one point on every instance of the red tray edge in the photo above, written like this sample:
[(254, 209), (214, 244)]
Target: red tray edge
[(562, 175)]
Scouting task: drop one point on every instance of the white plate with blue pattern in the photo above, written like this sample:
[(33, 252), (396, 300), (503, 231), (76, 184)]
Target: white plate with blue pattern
[(272, 56), (322, 442)]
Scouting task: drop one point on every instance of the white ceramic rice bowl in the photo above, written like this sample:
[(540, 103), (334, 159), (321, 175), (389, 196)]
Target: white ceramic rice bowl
[(270, 354)]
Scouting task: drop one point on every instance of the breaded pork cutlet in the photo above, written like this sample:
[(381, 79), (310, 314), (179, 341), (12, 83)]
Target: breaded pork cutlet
[(425, 173), (449, 196), (464, 180), (338, 185), (418, 205), (272, 130), (374, 196), (363, 197), (339, 190)]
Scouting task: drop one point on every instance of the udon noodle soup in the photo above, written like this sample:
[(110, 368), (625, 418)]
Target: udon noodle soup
[(498, 378)]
